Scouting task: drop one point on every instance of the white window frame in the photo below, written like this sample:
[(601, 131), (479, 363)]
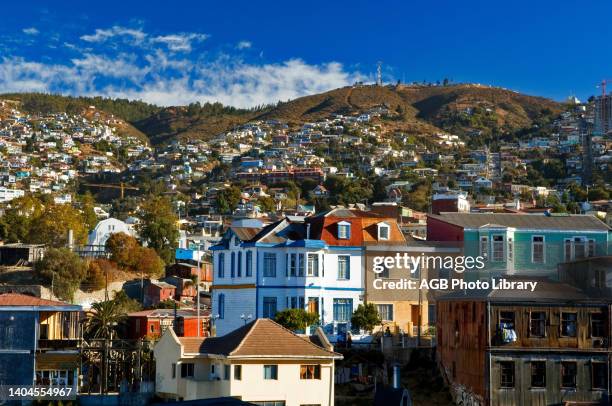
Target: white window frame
[(483, 242), (543, 249), (387, 228), (501, 258), (380, 314), (348, 267), (341, 225), (312, 268)]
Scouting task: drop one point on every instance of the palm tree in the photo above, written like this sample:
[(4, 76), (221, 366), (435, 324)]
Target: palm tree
[(103, 319)]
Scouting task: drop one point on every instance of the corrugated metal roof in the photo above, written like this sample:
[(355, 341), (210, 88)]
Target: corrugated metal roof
[(19, 299), (523, 221)]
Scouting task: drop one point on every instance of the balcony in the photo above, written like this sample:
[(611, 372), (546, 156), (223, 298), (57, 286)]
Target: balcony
[(58, 344)]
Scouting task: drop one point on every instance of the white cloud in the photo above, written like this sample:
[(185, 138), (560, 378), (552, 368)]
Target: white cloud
[(161, 70), (30, 31), (102, 35), (179, 42), (244, 45)]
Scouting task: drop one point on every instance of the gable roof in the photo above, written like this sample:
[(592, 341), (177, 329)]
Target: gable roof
[(260, 338), (524, 221), (19, 299)]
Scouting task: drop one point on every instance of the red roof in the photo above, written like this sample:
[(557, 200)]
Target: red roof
[(19, 299)]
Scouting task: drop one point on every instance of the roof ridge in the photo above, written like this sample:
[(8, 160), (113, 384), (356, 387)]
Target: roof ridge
[(300, 337), (252, 326)]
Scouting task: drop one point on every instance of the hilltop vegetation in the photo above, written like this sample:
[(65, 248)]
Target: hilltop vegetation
[(463, 109)]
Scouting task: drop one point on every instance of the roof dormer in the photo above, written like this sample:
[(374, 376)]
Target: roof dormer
[(344, 230), (384, 231)]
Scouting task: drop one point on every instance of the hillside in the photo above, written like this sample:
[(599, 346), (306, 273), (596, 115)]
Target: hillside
[(117, 113), (461, 109), (423, 110)]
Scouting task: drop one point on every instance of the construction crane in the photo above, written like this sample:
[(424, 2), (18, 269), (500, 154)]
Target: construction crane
[(121, 186)]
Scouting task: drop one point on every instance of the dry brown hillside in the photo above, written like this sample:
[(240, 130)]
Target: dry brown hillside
[(424, 110)]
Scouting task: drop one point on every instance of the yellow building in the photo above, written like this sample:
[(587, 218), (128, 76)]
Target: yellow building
[(259, 362)]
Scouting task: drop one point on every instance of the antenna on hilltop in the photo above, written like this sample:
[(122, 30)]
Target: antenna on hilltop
[(379, 73)]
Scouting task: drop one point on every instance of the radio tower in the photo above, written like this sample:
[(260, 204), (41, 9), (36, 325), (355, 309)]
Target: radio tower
[(379, 73)]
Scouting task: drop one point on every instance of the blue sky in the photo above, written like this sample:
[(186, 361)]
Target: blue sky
[(246, 53)]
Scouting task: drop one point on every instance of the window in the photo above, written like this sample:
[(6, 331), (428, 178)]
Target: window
[(510, 250), (173, 370), (343, 309), (537, 249), (599, 375), (344, 267), (507, 374), (538, 374), (591, 248), (344, 230), (384, 274), (567, 250), (579, 247), (186, 370), (537, 324), (313, 265), (221, 271), (310, 371), (385, 311), (238, 372), (269, 264), (568, 324), (291, 265), (226, 372), (484, 247), (221, 311), (568, 374), (383, 231), (271, 372), (239, 271), (507, 327), (498, 248), (300, 264), (269, 307), (249, 263), (598, 322), (233, 265)]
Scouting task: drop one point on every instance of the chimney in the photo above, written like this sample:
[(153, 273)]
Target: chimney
[(396, 377), (308, 231)]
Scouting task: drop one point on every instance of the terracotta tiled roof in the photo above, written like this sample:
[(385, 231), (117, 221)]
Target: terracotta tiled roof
[(19, 299), (259, 338)]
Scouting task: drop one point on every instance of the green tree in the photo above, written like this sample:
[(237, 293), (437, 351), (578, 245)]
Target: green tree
[(366, 317), (158, 227), (267, 204), (53, 225), (296, 319), (103, 319), (227, 199), (64, 270), (87, 208), (19, 217)]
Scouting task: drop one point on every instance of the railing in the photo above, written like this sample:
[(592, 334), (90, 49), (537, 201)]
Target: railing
[(57, 344)]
